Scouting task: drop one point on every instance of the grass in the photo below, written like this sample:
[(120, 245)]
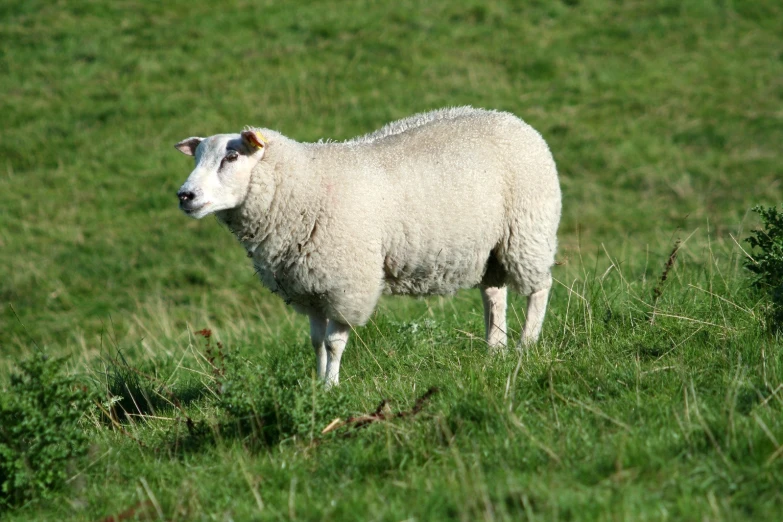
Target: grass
[(664, 118)]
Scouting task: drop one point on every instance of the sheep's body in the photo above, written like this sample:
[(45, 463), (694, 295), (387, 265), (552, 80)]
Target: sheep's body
[(426, 205)]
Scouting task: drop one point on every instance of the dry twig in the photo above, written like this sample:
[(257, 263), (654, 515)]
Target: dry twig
[(658, 290), (381, 413), (134, 512)]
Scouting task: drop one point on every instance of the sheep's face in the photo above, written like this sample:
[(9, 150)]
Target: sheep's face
[(224, 164)]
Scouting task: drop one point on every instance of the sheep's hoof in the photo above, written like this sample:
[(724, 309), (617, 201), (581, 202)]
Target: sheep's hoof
[(498, 350)]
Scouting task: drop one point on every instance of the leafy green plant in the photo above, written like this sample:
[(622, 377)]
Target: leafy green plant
[(767, 261), (39, 429)]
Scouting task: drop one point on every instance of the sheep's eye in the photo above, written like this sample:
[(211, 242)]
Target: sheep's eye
[(231, 156)]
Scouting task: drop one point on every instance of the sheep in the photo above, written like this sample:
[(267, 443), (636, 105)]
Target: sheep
[(439, 201)]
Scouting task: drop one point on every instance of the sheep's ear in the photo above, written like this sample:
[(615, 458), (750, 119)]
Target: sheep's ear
[(254, 139), (188, 146)]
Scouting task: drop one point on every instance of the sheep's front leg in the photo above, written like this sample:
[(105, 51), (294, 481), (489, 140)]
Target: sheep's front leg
[(317, 336), (336, 337), (494, 300)]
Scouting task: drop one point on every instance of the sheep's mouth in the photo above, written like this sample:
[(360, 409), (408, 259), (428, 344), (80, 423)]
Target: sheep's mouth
[(190, 209)]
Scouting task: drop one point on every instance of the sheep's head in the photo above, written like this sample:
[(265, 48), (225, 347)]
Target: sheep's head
[(224, 164)]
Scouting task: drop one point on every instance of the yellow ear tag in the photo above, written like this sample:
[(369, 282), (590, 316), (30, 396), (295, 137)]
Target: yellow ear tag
[(257, 139)]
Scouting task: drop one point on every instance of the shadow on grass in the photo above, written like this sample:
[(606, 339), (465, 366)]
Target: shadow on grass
[(260, 405), (255, 433), (257, 402), (265, 429)]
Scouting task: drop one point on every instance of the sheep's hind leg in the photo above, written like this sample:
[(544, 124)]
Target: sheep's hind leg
[(317, 335), (536, 309), (336, 338), (494, 299)]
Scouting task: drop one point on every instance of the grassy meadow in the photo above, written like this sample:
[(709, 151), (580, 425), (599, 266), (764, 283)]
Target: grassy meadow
[(645, 399)]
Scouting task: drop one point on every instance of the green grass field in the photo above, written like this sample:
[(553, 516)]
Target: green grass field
[(665, 120)]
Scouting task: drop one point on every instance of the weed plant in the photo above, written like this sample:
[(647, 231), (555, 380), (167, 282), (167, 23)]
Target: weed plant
[(41, 433), (767, 261)]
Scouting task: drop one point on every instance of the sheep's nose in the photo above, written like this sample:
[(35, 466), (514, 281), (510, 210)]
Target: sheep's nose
[(185, 196)]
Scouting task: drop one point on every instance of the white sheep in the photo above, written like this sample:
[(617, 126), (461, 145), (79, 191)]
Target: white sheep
[(440, 201)]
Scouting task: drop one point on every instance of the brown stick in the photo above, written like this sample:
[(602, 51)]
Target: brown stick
[(381, 413)]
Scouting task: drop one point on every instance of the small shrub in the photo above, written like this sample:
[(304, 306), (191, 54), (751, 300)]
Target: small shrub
[(768, 260), (39, 429)]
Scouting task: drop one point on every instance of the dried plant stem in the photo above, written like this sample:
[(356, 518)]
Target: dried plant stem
[(658, 290), (381, 413)]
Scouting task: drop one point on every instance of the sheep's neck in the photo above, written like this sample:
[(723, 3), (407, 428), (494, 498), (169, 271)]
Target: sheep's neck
[(248, 222), (274, 222)]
